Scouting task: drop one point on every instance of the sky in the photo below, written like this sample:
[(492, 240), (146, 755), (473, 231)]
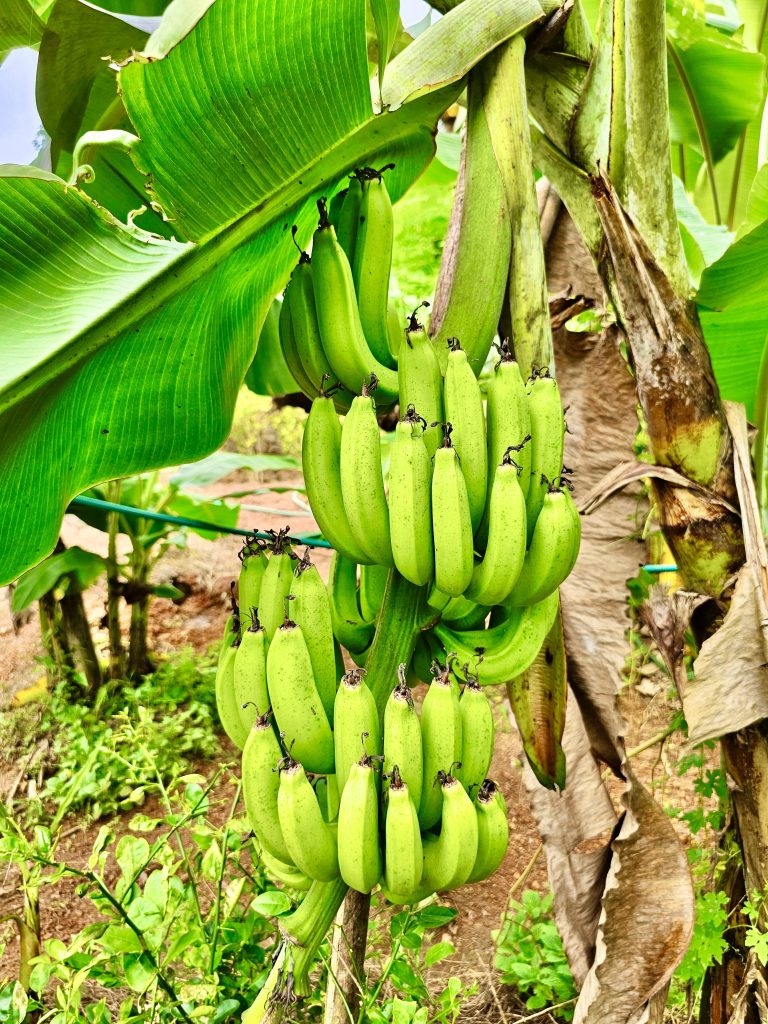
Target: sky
[(20, 123)]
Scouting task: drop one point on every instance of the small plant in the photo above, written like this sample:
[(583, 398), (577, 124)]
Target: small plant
[(399, 963), (118, 748), (182, 931), (530, 956)]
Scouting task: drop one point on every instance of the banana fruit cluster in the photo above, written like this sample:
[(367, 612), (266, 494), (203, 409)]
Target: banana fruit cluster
[(335, 322), (330, 788), (476, 502)]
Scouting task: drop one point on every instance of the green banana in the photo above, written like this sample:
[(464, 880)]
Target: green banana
[(357, 728), (348, 625), (306, 332), (508, 648), (232, 625), (359, 852), (477, 732), (362, 481), (335, 207), (404, 854), (298, 709), (269, 373), (249, 675), (349, 217), (463, 408), (451, 521), (310, 840), (373, 582), (288, 345), (509, 423), (492, 831), (538, 701), (402, 738), (311, 610), (253, 563), (461, 613), (289, 875), (553, 550), (441, 743), (226, 702), (372, 264), (261, 755), (450, 857), (410, 501), (342, 333), (395, 332), (547, 434), (320, 457), (421, 385), (495, 576), (276, 583)]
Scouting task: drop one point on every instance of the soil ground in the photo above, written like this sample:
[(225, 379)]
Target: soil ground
[(208, 567)]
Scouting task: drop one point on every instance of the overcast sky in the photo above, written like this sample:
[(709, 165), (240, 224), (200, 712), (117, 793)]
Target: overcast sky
[(19, 124)]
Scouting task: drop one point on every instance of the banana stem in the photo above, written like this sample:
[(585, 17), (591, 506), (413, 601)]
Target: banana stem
[(506, 110), (401, 619)]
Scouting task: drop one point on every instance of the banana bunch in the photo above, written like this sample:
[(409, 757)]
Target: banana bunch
[(402, 801), (476, 501), (335, 322)]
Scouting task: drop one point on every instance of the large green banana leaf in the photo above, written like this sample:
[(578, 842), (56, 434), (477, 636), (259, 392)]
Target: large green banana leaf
[(121, 352)]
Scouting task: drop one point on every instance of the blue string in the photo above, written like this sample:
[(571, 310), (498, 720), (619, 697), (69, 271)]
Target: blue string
[(198, 524)]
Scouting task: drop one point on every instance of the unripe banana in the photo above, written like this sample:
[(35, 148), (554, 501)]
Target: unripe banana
[(547, 433), (538, 699), (495, 576), (310, 840), (359, 851), (268, 373), (288, 874), (463, 408), (410, 501), (507, 649), (253, 563), (553, 551), (372, 264), (298, 709), (450, 857), (226, 702), (451, 522), (404, 855), (477, 732), (362, 481), (342, 333), (348, 625), (311, 609), (402, 739), (421, 384), (306, 330), (349, 217), (395, 331), (492, 831), (261, 781), (461, 614), (357, 730), (335, 207), (232, 627), (373, 583), (320, 458), (441, 744), (288, 346), (250, 674), (276, 584)]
